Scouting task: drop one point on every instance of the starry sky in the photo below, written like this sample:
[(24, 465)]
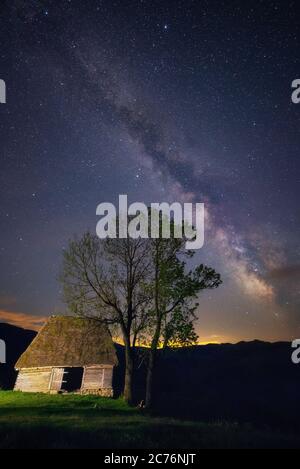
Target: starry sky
[(185, 101)]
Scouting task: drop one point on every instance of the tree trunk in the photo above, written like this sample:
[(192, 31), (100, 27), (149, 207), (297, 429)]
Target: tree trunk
[(155, 340), (151, 365), (128, 385), (149, 382)]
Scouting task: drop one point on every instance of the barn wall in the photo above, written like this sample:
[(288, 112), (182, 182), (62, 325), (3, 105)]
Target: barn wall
[(98, 380), (108, 377), (33, 380)]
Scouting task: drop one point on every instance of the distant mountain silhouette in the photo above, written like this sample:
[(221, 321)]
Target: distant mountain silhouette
[(17, 341), (252, 382), (249, 381)]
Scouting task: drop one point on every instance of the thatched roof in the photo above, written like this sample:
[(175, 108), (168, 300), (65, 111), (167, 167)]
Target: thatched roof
[(70, 342)]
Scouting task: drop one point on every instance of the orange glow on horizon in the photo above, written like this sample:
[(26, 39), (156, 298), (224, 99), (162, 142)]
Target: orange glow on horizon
[(119, 341), (23, 320), (32, 322)]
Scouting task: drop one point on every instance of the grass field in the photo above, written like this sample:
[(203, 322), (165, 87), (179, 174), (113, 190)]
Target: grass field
[(43, 421)]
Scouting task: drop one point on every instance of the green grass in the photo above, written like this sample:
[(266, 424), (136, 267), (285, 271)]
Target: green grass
[(70, 421)]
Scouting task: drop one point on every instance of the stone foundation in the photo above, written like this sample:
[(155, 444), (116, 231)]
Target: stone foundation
[(103, 392)]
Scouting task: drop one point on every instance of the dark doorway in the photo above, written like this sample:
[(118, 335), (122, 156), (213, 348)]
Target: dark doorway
[(72, 379)]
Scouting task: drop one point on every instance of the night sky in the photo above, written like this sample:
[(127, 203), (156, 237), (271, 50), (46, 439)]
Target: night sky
[(184, 101)]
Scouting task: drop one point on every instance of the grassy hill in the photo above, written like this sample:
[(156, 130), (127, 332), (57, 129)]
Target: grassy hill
[(70, 421)]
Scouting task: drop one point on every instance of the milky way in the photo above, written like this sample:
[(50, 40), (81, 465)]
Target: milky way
[(164, 101)]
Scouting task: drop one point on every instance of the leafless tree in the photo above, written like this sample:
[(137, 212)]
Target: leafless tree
[(106, 278)]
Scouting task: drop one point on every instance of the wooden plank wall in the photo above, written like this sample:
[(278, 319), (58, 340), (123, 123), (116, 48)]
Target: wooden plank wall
[(97, 378), (108, 377), (56, 379), (50, 379), (35, 380)]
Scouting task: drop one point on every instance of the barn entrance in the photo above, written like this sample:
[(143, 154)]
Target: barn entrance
[(72, 379)]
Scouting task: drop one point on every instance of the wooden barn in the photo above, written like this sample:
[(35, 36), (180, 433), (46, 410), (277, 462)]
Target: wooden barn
[(69, 355)]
